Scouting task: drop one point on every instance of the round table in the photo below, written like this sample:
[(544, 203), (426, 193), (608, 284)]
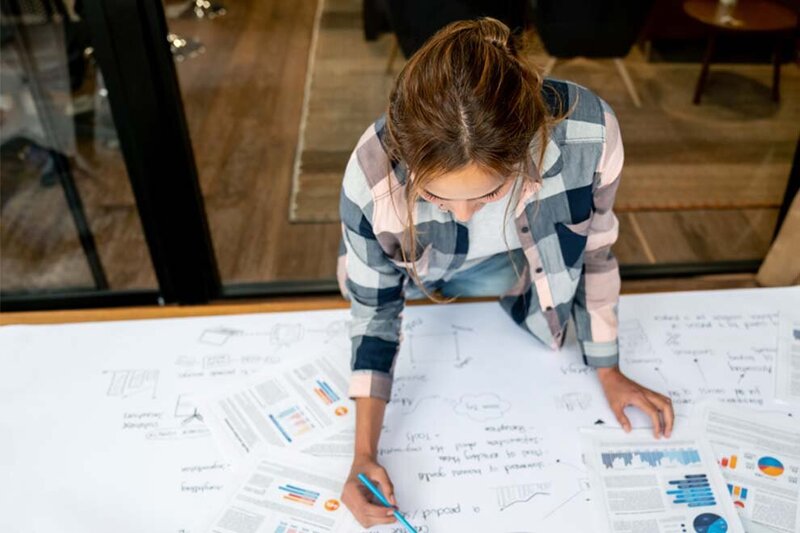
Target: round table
[(746, 16)]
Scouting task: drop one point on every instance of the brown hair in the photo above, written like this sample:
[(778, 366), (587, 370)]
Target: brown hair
[(467, 96)]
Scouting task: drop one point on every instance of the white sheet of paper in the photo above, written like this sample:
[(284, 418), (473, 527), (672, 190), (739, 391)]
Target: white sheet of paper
[(100, 432), (286, 492), (759, 457), (298, 404), (787, 365), (641, 484), (718, 345)]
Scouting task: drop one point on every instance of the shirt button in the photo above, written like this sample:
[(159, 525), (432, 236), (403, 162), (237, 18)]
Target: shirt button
[(525, 229), (539, 270)]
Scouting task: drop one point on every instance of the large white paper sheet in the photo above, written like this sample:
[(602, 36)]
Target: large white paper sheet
[(645, 485), (759, 457), (99, 430), (285, 493), (787, 365), (298, 404)]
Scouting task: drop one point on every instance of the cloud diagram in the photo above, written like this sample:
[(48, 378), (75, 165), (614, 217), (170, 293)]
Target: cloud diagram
[(482, 407)]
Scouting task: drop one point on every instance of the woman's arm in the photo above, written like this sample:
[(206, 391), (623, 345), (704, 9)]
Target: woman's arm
[(598, 294), (374, 286), (369, 420)]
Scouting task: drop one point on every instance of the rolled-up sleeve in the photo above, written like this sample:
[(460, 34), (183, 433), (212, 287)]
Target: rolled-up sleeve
[(374, 286), (597, 296)]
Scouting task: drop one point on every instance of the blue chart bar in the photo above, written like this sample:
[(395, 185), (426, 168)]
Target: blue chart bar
[(694, 491), (328, 390), (653, 458), (280, 428)]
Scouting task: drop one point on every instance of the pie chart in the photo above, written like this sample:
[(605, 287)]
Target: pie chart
[(770, 466), (710, 523)]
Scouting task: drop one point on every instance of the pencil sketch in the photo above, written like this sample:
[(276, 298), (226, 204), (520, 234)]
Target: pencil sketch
[(482, 407), (188, 421), (127, 383), (518, 494), (477, 407), (583, 489), (573, 401), (281, 334), (218, 336)]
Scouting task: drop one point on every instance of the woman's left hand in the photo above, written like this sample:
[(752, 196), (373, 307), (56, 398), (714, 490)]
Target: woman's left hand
[(622, 392)]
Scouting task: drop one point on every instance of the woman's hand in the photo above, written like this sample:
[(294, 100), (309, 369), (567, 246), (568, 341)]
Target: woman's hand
[(360, 501), (622, 392)]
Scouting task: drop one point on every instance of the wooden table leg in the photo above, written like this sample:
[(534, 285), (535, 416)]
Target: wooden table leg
[(701, 81), (776, 70)]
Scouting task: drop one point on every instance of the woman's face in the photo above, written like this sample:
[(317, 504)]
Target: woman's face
[(465, 191)]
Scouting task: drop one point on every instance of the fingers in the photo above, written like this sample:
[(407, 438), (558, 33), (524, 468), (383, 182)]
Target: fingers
[(367, 513), (619, 412), (643, 402), (381, 478), (664, 405)]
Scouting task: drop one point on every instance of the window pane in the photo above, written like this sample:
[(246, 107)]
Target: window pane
[(69, 220)]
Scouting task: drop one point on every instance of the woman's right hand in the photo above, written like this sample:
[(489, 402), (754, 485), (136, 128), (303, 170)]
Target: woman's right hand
[(364, 506)]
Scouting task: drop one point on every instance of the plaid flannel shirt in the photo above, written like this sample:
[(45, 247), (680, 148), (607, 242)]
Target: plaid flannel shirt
[(565, 224)]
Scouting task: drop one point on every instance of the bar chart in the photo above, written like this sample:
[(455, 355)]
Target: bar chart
[(693, 490)]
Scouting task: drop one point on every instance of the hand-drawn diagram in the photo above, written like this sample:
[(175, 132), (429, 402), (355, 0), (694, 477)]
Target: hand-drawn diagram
[(281, 334), (477, 407), (518, 494), (218, 336), (188, 421), (482, 407), (186, 409), (573, 401), (127, 383), (583, 488)]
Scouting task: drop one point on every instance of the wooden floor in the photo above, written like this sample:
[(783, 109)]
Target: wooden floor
[(243, 98)]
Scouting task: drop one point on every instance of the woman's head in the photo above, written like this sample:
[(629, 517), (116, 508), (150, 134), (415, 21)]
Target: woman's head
[(462, 116)]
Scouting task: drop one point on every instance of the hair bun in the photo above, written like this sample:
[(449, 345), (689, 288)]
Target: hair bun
[(495, 33)]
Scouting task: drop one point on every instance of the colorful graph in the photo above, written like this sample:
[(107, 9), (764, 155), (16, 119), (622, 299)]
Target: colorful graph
[(692, 490), (297, 494), (770, 466), (739, 495), (653, 458), (325, 392), (729, 462), (291, 422), (710, 523)]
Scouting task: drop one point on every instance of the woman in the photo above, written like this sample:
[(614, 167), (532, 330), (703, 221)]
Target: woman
[(481, 179)]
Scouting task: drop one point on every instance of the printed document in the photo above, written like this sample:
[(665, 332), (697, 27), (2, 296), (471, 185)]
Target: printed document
[(787, 365), (642, 484), (298, 405), (759, 457)]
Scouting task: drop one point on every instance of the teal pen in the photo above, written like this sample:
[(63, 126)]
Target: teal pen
[(381, 498)]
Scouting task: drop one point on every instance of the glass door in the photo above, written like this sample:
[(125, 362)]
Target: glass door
[(69, 220)]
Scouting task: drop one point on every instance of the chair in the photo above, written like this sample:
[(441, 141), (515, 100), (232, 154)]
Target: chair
[(600, 29)]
